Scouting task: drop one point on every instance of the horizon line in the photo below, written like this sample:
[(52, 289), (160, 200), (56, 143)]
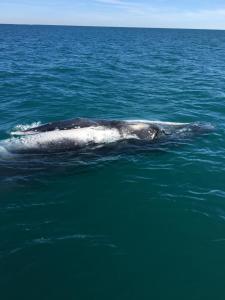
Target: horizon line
[(107, 26)]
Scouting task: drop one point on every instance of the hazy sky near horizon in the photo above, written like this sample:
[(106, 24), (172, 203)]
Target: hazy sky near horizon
[(154, 13)]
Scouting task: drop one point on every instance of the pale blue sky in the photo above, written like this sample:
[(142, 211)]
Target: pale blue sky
[(142, 13)]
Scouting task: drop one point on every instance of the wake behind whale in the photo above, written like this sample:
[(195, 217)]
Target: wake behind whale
[(80, 133)]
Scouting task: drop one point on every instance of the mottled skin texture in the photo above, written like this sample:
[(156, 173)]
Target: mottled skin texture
[(64, 125), (80, 132), (146, 131)]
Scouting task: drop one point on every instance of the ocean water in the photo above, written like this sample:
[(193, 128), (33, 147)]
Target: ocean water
[(119, 225)]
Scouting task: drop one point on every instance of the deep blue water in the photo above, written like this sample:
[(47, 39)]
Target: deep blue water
[(142, 225)]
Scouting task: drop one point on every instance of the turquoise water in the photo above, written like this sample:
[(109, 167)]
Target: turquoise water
[(137, 225)]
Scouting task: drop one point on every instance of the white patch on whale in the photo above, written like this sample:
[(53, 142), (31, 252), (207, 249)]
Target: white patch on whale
[(138, 126)]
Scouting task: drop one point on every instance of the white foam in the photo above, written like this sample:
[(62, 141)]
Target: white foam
[(18, 130)]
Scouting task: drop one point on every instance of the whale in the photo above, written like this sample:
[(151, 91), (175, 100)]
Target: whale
[(81, 133)]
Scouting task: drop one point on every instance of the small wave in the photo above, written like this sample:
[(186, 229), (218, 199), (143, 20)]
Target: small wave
[(94, 240)]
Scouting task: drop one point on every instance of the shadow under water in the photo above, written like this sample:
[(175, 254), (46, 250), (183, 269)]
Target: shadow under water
[(23, 167)]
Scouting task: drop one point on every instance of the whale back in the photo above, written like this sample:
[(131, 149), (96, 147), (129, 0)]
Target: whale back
[(72, 124)]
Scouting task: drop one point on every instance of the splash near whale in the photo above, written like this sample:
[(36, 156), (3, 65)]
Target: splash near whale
[(83, 133)]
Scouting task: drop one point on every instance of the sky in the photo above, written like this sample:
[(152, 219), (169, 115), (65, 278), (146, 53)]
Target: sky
[(204, 14)]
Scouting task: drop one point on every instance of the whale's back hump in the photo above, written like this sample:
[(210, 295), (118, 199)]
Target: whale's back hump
[(71, 124)]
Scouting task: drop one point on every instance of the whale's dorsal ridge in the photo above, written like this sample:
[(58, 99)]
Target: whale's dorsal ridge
[(59, 125)]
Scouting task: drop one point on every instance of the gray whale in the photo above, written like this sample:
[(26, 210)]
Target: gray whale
[(79, 133)]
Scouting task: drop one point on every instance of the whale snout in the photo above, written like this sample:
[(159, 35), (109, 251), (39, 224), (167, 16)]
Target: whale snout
[(201, 128), (195, 129), (183, 130)]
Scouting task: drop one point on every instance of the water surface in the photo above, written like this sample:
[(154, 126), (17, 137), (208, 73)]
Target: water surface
[(136, 225)]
